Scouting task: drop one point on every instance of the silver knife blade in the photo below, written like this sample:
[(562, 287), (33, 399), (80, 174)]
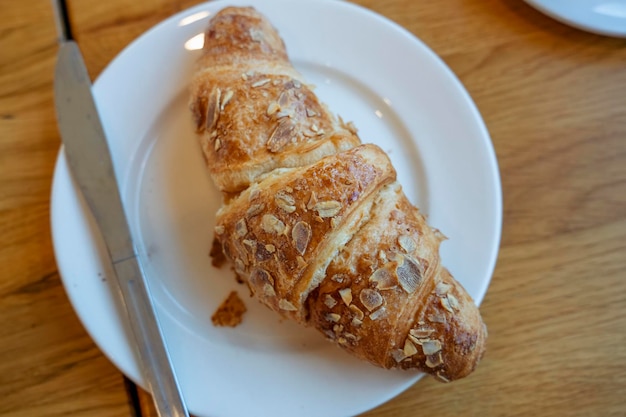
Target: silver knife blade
[(87, 153)]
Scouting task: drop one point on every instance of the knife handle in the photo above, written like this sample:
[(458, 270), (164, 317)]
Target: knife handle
[(152, 354)]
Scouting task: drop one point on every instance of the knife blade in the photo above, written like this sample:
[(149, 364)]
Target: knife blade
[(87, 152)]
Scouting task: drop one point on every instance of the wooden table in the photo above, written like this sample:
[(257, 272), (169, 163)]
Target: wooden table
[(554, 100)]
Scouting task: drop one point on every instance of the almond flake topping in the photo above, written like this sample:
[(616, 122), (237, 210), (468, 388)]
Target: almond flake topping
[(328, 208), (285, 201), (240, 228), (260, 277), (421, 332), (346, 295), (219, 229), (409, 275), (398, 355), (454, 303), (383, 279), (218, 144), (272, 224), (407, 243), (442, 288), (260, 83), (433, 361), (441, 377), (255, 210), (301, 236), (227, 97), (436, 318), (281, 136), (269, 291), (213, 108), (273, 108), (310, 112), (286, 305), (356, 322), (370, 298), (312, 201), (409, 348), (329, 301), (270, 248), (333, 317), (431, 346), (358, 313), (301, 262), (445, 303), (378, 313)]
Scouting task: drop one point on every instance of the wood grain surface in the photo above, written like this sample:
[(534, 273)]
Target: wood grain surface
[(554, 100)]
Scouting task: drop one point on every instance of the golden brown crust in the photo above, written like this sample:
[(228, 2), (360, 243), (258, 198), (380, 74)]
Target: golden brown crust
[(314, 222), (253, 111), (281, 232)]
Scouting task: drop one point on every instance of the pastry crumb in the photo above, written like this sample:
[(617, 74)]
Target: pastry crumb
[(217, 255), (230, 312)]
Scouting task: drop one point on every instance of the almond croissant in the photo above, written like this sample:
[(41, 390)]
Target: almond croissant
[(314, 222)]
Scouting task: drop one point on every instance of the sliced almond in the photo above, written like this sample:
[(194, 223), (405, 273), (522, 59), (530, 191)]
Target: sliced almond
[(398, 355), (384, 279), (239, 266), (356, 322), (454, 303), (285, 201), (371, 299), (407, 243), (272, 224), (437, 318), (301, 262), (273, 108), (286, 305), (269, 291), (409, 274), (329, 301), (219, 229), (213, 108), (431, 346), (255, 210), (433, 361), (409, 348), (378, 313), (358, 313), (301, 236), (421, 332), (442, 288), (260, 277), (440, 376), (346, 295), (333, 317), (227, 97), (260, 83), (281, 136), (240, 228), (445, 303), (312, 201), (328, 208)]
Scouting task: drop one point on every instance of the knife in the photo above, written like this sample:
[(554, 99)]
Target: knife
[(87, 153)]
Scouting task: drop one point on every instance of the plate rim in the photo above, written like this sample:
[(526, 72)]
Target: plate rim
[(543, 7)]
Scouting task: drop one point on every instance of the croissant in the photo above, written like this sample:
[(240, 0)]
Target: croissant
[(314, 221)]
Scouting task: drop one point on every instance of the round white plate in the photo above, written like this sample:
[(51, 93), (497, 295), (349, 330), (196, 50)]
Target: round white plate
[(369, 70), (605, 17)]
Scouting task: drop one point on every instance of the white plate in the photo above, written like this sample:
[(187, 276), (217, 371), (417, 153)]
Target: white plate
[(606, 17), (367, 69)]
